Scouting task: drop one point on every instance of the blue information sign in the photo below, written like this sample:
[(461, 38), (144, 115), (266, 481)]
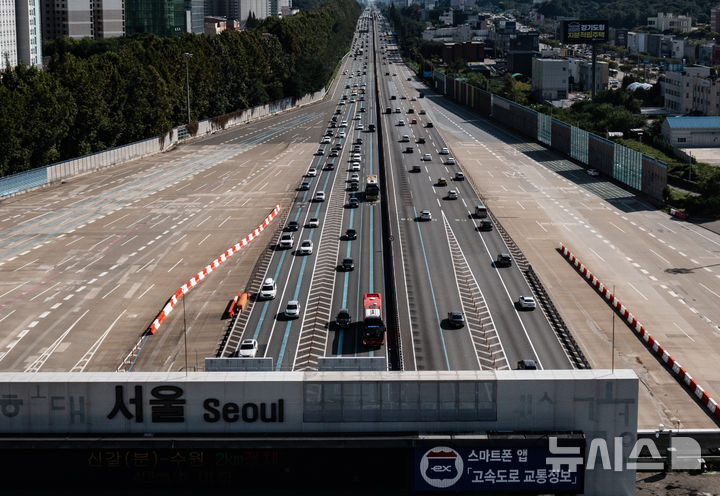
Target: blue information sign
[(498, 467), (427, 73)]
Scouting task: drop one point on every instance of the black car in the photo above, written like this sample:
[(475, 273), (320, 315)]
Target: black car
[(456, 319), (292, 226), (527, 365), (350, 234), (504, 260), (429, 124), (420, 140), (347, 264), (343, 318), (485, 225)]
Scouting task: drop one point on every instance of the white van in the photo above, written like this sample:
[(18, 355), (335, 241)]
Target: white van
[(480, 211)]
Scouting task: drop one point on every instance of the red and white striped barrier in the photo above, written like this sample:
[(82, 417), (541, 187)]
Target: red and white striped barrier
[(203, 273), (680, 373)]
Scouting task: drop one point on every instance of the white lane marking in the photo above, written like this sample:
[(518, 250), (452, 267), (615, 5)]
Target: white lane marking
[(43, 315), (541, 226), (661, 258), (33, 323), (597, 255), (48, 289), (223, 222), (129, 239), (637, 290), (710, 290), (518, 202), (206, 237), (176, 264), (673, 294), (8, 315), (148, 289), (141, 268), (13, 289), (55, 306), (681, 330)]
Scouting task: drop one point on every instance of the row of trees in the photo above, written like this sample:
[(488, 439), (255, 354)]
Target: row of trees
[(100, 94)]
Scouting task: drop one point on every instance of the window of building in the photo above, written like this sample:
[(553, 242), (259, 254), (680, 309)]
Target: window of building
[(681, 140)]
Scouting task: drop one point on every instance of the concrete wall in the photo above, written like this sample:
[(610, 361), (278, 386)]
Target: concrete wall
[(599, 403)]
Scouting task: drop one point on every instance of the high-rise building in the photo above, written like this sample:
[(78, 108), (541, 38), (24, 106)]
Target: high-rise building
[(164, 17), (82, 18), (8, 34), (715, 18), (29, 33), (20, 34)]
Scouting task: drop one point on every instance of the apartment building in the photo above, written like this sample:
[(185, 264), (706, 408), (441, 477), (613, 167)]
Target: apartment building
[(8, 34), (670, 22), (695, 89), (550, 78), (82, 18), (20, 33)]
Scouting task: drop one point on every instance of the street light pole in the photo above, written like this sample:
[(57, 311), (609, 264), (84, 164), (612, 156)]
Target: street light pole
[(187, 82)]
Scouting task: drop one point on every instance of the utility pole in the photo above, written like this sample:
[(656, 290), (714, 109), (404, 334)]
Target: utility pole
[(187, 82)]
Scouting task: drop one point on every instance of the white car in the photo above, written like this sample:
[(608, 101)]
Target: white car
[(343, 124), (313, 222), (268, 290), (360, 126), (354, 176), (248, 348), (357, 117), (425, 215), (341, 134), (452, 195), (325, 140), (306, 247), (527, 302), (401, 122), (593, 172), (356, 157), (405, 139), (292, 309), (312, 172), (426, 157), (355, 166), (320, 196), (450, 161), (444, 151)]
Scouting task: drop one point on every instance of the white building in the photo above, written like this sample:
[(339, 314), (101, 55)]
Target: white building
[(8, 34), (637, 42), (550, 78), (20, 33), (692, 90), (671, 22), (446, 17)]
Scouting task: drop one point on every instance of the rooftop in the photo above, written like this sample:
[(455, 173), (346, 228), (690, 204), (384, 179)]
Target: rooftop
[(693, 122)]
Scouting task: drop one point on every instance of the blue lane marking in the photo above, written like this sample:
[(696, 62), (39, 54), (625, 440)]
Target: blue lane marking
[(265, 307), (287, 326), (437, 314)]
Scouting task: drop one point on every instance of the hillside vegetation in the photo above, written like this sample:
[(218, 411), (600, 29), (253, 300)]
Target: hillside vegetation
[(100, 94)]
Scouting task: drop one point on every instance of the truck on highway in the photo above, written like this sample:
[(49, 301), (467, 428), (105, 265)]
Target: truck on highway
[(373, 335)]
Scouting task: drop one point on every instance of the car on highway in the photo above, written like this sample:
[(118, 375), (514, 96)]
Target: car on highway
[(444, 151), (268, 290), (353, 186), (526, 303), (286, 240), (350, 234), (459, 176), (292, 226), (409, 149), (333, 153), (306, 247), (343, 124), (426, 157), (425, 215), (292, 309), (320, 151), (452, 194), (354, 177), (593, 172), (411, 111), (429, 124), (313, 222), (405, 138), (503, 260), (526, 365), (420, 140), (320, 196), (353, 202), (343, 318), (356, 157), (341, 134), (401, 122), (329, 166), (413, 121), (347, 264), (415, 168), (357, 117), (248, 348), (456, 319), (485, 225), (326, 139), (450, 161), (422, 112), (397, 110), (442, 181), (312, 172), (304, 186), (355, 166), (360, 127)]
